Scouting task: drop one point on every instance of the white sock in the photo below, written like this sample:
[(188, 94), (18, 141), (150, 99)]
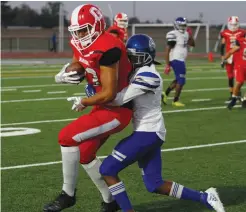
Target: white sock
[(70, 167), (92, 170)]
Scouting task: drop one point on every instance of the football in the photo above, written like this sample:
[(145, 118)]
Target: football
[(76, 66)]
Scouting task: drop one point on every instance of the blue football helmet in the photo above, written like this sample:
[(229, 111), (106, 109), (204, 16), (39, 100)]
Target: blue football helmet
[(141, 50), (180, 24)]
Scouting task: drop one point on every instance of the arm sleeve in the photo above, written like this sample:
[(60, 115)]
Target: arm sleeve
[(222, 49), (147, 81), (126, 95), (110, 57)]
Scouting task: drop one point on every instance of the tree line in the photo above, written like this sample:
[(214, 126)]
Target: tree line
[(48, 17)]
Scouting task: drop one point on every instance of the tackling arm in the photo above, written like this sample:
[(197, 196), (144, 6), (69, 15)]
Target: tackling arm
[(126, 95)]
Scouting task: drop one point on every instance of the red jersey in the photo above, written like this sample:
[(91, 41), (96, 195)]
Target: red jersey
[(122, 33), (242, 51), (230, 39), (90, 57)]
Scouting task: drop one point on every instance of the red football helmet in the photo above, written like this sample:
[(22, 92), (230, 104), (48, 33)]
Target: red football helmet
[(121, 20), (87, 24), (233, 23)]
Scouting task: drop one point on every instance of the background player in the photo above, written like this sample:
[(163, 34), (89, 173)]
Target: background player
[(240, 68), (105, 60), (178, 41), (119, 27), (144, 144), (229, 37)]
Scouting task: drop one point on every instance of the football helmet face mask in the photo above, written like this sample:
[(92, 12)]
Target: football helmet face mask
[(141, 50), (87, 24), (233, 23), (121, 20), (180, 24)]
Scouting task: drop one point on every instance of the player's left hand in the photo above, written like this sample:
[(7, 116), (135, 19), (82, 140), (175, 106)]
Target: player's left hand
[(189, 30), (77, 104)]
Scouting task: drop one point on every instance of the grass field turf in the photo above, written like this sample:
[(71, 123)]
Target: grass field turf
[(224, 166)]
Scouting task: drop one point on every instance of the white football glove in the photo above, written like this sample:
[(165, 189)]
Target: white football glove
[(70, 77), (77, 105)]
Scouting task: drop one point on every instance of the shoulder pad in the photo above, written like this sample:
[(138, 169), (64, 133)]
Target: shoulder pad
[(171, 36), (147, 80)]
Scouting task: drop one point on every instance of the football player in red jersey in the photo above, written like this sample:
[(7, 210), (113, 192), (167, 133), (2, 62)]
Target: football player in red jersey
[(119, 27), (106, 65), (229, 37), (240, 68)]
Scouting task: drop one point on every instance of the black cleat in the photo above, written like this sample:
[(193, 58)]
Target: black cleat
[(229, 100), (61, 202), (232, 103), (244, 103), (110, 207)]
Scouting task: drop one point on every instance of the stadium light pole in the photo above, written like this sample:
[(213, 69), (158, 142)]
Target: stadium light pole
[(134, 8), (61, 28)]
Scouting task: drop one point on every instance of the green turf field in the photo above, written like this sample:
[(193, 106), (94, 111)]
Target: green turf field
[(31, 176)]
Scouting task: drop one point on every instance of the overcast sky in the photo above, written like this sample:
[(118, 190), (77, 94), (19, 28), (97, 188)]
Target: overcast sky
[(213, 12)]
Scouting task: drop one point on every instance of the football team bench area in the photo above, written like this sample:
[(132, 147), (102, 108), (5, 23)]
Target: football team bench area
[(205, 143)]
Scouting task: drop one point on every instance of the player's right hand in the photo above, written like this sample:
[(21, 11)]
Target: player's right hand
[(90, 90), (67, 77), (167, 69)]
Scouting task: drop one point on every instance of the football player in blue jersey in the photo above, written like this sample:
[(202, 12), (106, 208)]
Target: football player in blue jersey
[(178, 41), (144, 144)]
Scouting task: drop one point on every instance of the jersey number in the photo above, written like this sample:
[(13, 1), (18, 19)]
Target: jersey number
[(95, 79), (232, 42), (96, 13)]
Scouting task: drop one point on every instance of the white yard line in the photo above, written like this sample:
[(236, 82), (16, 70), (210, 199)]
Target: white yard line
[(33, 100), (31, 91), (201, 100), (102, 157), (70, 119), (36, 100), (36, 86), (8, 89), (56, 92)]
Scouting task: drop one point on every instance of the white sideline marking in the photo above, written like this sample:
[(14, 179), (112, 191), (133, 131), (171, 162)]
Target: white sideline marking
[(200, 100), (79, 94), (8, 89), (102, 157), (70, 119), (31, 91), (56, 92)]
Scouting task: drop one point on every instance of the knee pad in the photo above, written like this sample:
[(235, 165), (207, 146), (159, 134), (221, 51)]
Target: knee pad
[(86, 155), (152, 182), (65, 138), (110, 166)]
